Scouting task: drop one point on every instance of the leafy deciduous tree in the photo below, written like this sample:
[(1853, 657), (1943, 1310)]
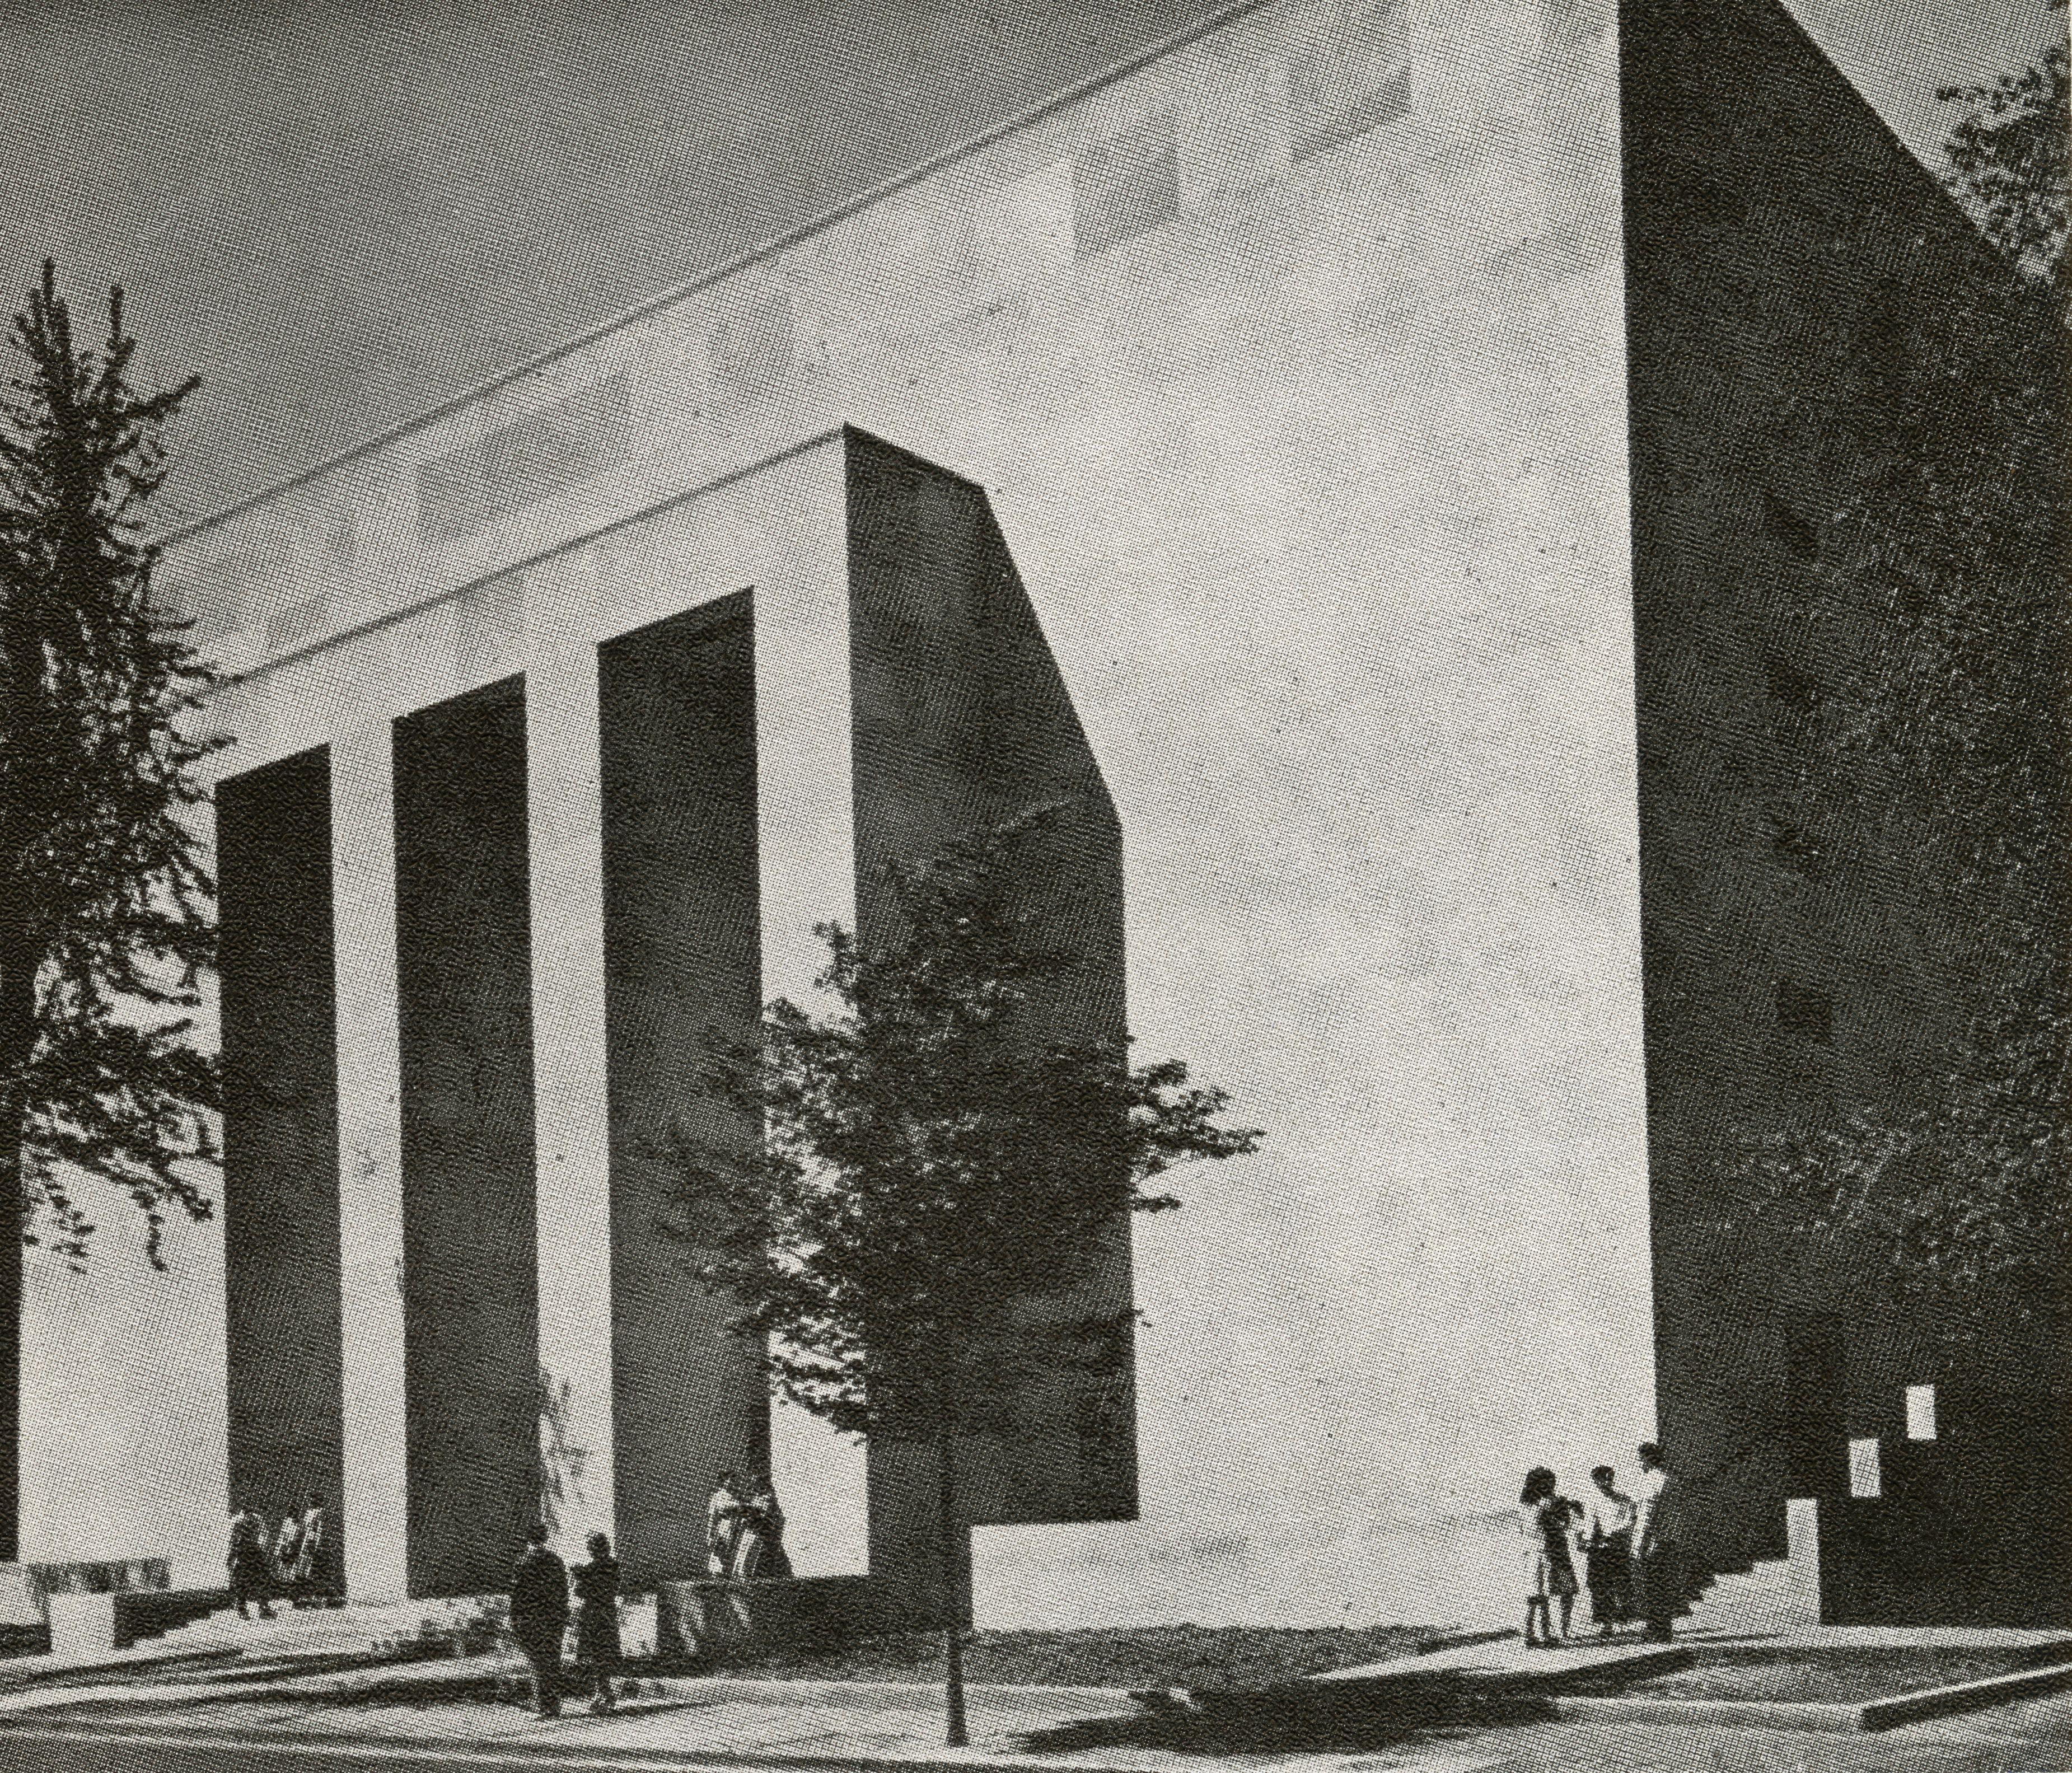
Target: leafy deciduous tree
[(1956, 550), (912, 1237)]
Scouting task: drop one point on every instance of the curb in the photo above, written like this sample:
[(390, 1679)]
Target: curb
[(1966, 1695), (1821, 1717), (840, 1692), (566, 1748), (1740, 1714), (13, 1678), (1375, 1680)]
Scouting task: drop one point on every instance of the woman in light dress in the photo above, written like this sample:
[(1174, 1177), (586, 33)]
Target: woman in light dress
[(1550, 1573), (288, 1552), (726, 1515), (759, 1555), (313, 1562)]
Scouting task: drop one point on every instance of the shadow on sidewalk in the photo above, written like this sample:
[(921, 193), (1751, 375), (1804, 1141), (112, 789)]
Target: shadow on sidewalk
[(1303, 1719)]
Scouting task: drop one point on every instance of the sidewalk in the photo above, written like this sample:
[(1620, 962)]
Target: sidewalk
[(425, 1711), (445, 1709), (712, 1722), (875, 1736)]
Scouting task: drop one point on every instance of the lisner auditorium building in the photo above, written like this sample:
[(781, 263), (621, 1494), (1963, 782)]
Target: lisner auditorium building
[(1363, 451)]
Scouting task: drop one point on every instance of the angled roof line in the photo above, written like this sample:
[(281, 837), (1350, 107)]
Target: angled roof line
[(1165, 45), (568, 545)]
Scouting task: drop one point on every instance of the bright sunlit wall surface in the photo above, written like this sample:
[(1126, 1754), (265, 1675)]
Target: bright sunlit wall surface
[(1291, 363)]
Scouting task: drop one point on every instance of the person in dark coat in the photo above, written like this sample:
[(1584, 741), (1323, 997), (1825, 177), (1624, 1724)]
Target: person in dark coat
[(1606, 1534), (1657, 1544), (251, 1572), (539, 1617), (597, 1621)]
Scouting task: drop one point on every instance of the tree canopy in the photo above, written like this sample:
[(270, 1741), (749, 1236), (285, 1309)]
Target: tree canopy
[(2009, 161), (1949, 744), (106, 902), (927, 1161), (911, 1205)]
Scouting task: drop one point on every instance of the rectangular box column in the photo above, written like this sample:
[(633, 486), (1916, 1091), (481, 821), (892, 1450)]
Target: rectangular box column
[(806, 859), (281, 1154), (370, 1191), (470, 1282), (572, 1202)]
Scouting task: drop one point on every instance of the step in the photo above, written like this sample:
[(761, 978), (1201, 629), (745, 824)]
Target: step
[(1769, 1571), (1507, 1665), (328, 1632), (1746, 1591)]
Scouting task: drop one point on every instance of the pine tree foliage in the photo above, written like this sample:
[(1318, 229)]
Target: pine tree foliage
[(105, 899)]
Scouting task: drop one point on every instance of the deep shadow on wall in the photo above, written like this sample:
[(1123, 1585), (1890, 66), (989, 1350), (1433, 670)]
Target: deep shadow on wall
[(1785, 256)]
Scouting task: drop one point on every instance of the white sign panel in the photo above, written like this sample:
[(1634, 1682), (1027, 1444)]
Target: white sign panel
[(1921, 1412), (1866, 1479)]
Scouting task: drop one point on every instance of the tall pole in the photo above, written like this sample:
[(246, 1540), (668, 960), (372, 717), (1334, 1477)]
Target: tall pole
[(21, 651), (10, 1363), (955, 1735)]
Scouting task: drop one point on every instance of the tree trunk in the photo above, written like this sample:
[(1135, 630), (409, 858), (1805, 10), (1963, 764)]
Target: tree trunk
[(11, 1351), (17, 1037), (22, 657), (955, 1734)]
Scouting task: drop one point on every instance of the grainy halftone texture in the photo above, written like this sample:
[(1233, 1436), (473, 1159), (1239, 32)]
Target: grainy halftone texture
[(343, 213)]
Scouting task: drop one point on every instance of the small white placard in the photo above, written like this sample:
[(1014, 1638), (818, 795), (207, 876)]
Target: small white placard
[(1866, 1479), (1921, 1412)]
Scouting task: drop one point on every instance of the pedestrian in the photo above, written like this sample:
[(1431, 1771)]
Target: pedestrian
[(1606, 1533), (539, 1618), (725, 1514), (759, 1555), (597, 1622), (1549, 1573), (1657, 1549), (251, 1574), (315, 1564), (287, 1553)]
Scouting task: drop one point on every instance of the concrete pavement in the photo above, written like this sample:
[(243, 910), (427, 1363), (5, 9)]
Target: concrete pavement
[(2035, 1738), (722, 1724), (1476, 1708)]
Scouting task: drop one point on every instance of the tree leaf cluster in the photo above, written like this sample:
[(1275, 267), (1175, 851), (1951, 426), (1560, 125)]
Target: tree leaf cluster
[(1944, 751), (2010, 161), (908, 1196)]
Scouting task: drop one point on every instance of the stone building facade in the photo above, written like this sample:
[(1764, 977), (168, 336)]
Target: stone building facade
[(1394, 533), (1787, 261)]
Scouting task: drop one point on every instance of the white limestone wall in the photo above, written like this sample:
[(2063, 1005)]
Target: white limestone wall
[(1318, 487), (370, 1152)]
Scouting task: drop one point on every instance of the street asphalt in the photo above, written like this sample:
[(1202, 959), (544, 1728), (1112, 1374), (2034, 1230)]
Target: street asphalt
[(62, 1750)]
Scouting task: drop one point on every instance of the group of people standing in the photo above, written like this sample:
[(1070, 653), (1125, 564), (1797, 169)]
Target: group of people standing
[(540, 1609), (1631, 1545), (294, 1562), (745, 1530), (744, 1543)]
